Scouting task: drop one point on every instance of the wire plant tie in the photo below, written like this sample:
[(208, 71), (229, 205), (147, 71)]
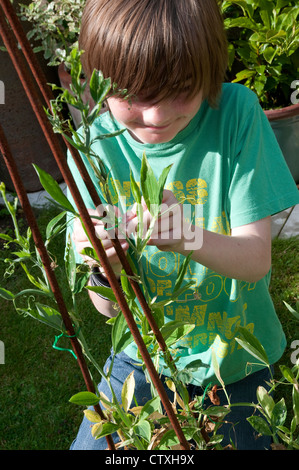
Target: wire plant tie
[(57, 338)]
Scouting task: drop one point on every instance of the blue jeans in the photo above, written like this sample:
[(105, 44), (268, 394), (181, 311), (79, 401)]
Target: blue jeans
[(242, 434)]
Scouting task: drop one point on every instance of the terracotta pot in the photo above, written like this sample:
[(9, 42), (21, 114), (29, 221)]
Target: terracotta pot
[(285, 124), (22, 130)]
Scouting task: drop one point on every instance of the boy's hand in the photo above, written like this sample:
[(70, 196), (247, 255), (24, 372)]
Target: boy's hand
[(170, 227), (81, 241)]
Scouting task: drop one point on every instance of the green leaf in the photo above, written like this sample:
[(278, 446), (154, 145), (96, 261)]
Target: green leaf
[(127, 391), (287, 373), (158, 315), (252, 345), (150, 407), (135, 189), (295, 399), (279, 413), (37, 282), (93, 416), (53, 189), (240, 22), (174, 330), (98, 86), (4, 236), (243, 75), (195, 365), (47, 315), (107, 429), (104, 291), (32, 292), (120, 337), (260, 425), (21, 254), (80, 283), (70, 264), (53, 223), (85, 398), (219, 411), (78, 145), (269, 54), (126, 285), (91, 252), (107, 136), (143, 429), (216, 367), (149, 187), (96, 428), (176, 294), (6, 294), (182, 272), (170, 439), (161, 182), (265, 400), (293, 311)]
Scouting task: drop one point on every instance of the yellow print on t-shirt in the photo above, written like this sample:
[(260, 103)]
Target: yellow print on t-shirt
[(194, 191), (197, 305), (212, 328), (161, 270)]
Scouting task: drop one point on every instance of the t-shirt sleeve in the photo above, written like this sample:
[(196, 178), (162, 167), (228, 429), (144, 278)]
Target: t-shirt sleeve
[(261, 183)]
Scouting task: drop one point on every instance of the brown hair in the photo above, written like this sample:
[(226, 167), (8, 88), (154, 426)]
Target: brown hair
[(156, 46)]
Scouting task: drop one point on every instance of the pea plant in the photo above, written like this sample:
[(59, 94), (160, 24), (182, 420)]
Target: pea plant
[(138, 427)]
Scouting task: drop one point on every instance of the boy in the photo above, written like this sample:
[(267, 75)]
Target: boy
[(171, 56)]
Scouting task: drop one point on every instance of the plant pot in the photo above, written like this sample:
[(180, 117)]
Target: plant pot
[(285, 124), (25, 137)]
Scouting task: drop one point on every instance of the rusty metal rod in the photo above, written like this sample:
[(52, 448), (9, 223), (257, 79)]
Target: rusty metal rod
[(39, 77), (24, 201), (48, 96), (46, 127)]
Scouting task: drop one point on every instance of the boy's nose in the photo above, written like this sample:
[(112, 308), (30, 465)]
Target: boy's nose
[(156, 116)]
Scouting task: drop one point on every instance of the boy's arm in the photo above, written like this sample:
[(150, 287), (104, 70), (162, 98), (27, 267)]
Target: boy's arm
[(245, 255)]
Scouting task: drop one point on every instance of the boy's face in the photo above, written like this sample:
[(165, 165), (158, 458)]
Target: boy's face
[(155, 123)]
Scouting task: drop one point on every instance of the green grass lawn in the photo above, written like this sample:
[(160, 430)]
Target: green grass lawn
[(37, 381)]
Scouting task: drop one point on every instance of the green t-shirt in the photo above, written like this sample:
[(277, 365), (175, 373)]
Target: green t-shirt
[(228, 163)]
